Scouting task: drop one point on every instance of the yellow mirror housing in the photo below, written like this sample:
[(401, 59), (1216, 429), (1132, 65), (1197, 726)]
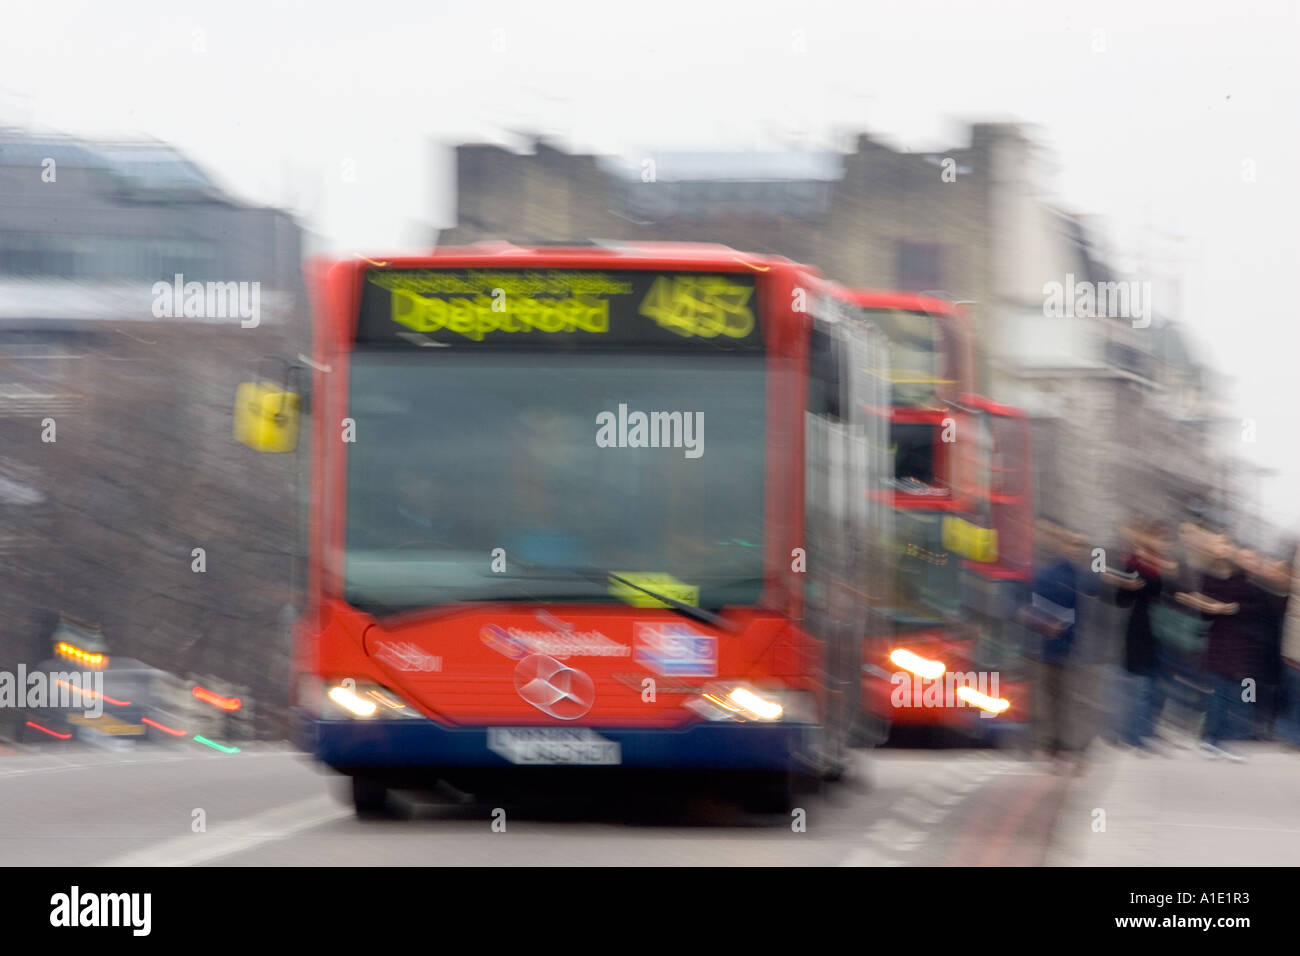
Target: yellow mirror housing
[(266, 416)]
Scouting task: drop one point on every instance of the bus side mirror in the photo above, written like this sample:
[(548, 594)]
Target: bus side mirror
[(267, 414)]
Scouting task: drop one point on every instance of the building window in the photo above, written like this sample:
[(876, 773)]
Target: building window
[(920, 266)]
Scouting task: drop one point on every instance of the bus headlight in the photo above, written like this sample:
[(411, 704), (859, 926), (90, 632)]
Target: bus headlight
[(347, 698), (754, 705), (916, 664), (353, 700), (994, 705), (747, 703)]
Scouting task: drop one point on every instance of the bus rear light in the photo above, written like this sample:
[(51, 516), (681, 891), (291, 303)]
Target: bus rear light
[(916, 664), (994, 705)]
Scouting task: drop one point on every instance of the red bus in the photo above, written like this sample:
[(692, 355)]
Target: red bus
[(998, 570), (951, 563), (581, 507)]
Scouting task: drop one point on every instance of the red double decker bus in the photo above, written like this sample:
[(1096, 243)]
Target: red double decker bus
[(959, 503), (582, 507)]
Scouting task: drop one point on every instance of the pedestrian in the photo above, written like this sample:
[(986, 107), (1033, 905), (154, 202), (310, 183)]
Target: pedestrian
[(1229, 601), (1148, 560), (1271, 581), (1180, 640), (1288, 723), (1051, 615)]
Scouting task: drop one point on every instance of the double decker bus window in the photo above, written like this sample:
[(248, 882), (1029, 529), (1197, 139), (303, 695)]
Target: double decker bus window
[(916, 358), (825, 376), (913, 452), (1010, 453)]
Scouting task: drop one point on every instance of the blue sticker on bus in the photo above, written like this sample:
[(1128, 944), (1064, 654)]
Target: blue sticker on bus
[(500, 641), (675, 650)]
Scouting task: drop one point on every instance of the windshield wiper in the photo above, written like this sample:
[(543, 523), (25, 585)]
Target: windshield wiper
[(681, 607)]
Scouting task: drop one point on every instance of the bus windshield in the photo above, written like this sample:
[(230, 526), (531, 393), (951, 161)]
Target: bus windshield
[(485, 475)]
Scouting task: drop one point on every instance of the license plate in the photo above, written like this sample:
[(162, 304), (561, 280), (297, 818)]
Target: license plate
[(538, 746)]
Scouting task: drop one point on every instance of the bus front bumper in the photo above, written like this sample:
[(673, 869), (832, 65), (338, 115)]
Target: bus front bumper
[(425, 744)]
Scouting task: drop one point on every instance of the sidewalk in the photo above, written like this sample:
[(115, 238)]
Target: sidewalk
[(1183, 810)]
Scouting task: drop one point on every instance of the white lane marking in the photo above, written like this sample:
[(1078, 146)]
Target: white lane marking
[(1217, 826), (895, 835), (1021, 773), (865, 857), (888, 838), (918, 810), (111, 761), (966, 786), (910, 838), (948, 799), (223, 840)]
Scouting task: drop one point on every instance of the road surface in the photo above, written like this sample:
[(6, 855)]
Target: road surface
[(188, 807)]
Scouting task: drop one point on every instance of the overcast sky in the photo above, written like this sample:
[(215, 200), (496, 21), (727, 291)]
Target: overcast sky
[(1157, 115)]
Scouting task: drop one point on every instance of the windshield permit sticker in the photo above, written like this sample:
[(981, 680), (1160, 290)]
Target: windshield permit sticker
[(675, 650), (655, 581)]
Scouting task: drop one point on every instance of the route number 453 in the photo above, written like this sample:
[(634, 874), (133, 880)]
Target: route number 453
[(704, 306)]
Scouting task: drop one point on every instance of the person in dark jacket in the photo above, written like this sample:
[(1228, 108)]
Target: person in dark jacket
[(1288, 723), (1231, 601), (1271, 580), (1186, 689), (1149, 560), (1051, 616)]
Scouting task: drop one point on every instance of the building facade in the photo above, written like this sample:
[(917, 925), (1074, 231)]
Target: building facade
[(123, 498), (1125, 418)]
